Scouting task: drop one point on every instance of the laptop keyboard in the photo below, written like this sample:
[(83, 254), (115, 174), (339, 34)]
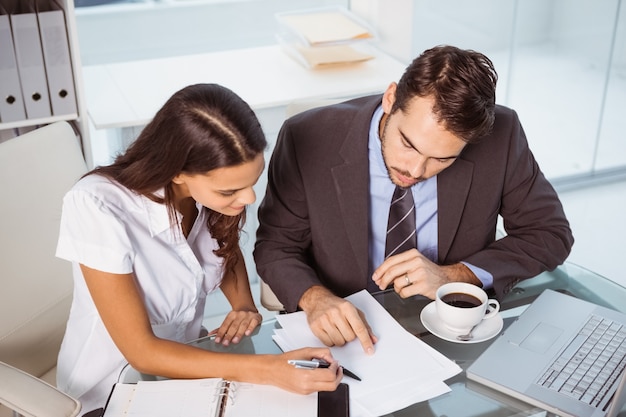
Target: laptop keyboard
[(591, 363)]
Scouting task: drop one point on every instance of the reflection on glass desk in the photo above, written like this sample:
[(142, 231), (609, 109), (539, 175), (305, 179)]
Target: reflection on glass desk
[(467, 398)]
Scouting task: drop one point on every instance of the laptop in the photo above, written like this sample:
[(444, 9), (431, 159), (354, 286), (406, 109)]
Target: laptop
[(563, 354)]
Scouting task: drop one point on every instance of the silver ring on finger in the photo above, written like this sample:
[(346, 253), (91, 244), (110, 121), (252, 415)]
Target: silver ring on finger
[(406, 278)]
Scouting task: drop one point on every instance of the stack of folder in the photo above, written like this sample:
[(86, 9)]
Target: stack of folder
[(324, 36), (36, 78)]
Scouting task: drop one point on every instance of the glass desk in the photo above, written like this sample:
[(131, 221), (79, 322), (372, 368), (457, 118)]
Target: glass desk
[(467, 398)]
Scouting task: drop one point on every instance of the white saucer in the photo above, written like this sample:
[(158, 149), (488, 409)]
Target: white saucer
[(484, 331)]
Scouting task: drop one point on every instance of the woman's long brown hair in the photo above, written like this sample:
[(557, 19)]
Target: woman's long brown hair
[(200, 128)]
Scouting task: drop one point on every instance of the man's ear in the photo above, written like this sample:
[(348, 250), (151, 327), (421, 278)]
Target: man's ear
[(389, 97)]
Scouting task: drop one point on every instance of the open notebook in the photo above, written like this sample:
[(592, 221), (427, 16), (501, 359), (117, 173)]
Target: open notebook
[(210, 397), (563, 354)]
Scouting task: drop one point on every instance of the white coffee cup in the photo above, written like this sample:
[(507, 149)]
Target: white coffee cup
[(460, 306)]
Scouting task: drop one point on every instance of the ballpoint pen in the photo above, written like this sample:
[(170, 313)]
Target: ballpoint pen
[(319, 363)]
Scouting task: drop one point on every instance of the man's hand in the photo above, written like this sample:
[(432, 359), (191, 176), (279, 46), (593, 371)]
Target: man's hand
[(336, 321), (411, 273)]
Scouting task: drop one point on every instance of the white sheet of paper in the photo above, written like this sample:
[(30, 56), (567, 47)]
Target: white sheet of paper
[(403, 370)]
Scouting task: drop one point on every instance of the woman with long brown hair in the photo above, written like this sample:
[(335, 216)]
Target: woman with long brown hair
[(151, 235)]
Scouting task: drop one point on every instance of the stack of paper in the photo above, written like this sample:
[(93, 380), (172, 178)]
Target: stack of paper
[(323, 36), (404, 370), (326, 26)]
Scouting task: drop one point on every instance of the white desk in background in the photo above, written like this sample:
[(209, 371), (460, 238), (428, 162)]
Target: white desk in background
[(128, 94)]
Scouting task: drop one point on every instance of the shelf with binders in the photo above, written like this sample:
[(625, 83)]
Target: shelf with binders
[(40, 78)]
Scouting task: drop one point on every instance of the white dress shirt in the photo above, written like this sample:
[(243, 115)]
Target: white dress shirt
[(109, 228)]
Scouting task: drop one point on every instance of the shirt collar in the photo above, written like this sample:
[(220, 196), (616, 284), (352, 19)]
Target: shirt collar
[(377, 163), (157, 216)]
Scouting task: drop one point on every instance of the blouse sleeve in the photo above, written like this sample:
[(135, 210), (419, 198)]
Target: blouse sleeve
[(93, 233)]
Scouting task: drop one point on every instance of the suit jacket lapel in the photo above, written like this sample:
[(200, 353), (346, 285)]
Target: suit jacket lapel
[(352, 186), (352, 189), (453, 185)]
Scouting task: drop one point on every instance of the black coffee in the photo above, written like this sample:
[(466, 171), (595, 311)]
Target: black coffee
[(460, 299)]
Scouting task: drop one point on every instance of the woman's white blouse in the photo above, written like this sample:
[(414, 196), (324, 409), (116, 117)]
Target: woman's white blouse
[(110, 228)]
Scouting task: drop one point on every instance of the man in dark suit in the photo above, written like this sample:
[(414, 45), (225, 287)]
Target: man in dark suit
[(437, 133)]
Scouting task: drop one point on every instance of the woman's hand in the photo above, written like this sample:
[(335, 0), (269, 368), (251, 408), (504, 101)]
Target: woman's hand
[(236, 325), (305, 381)]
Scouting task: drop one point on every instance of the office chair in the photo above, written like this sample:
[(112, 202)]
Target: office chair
[(36, 170), (269, 299)]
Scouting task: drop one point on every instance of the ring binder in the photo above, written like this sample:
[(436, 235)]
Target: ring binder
[(223, 394), (12, 103), (214, 397), (15, 115), (58, 64), (30, 64)]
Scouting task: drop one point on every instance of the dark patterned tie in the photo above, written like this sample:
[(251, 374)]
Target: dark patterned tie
[(401, 225), (401, 234)]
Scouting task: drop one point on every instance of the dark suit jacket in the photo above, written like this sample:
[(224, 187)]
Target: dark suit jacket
[(314, 218)]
